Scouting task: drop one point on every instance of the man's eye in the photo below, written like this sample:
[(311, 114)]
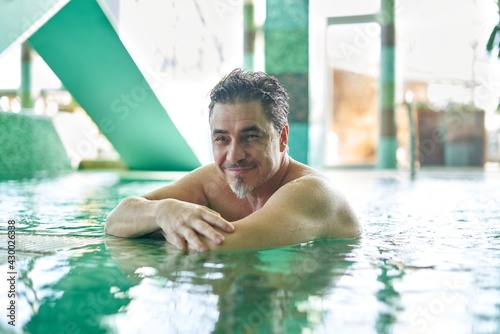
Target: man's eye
[(251, 137), (220, 139)]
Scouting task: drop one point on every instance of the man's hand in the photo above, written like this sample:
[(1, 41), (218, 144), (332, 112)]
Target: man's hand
[(181, 223)]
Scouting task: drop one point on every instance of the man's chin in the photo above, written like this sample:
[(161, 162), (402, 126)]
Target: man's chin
[(240, 190)]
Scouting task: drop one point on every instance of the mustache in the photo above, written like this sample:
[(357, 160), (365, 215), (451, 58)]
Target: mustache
[(239, 164)]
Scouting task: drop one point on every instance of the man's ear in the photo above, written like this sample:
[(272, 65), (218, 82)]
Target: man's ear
[(284, 138)]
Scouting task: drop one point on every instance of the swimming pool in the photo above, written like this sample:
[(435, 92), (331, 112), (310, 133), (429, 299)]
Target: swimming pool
[(429, 262)]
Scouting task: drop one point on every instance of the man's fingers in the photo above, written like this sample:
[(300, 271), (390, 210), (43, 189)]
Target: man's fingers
[(215, 219), (192, 224), (208, 231), (175, 240), (194, 241)]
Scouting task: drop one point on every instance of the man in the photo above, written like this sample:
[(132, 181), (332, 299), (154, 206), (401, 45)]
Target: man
[(254, 195)]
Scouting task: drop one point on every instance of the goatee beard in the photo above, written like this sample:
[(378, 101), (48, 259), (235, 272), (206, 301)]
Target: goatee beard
[(239, 189)]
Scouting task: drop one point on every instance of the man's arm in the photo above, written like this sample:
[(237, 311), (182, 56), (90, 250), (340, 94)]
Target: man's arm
[(178, 211), (303, 210)]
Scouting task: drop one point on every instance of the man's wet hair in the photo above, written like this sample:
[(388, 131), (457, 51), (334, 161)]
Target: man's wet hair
[(244, 86)]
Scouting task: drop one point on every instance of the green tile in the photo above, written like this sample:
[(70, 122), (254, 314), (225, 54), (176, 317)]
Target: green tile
[(286, 36), (286, 51), (297, 86), (287, 14), (29, 144), (298, 141)]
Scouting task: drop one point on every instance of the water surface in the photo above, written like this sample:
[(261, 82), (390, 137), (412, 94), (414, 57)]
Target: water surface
[(429, 262)]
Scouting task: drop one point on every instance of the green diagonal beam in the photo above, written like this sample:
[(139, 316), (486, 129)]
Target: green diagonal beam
[(82, 48), (20, 18)]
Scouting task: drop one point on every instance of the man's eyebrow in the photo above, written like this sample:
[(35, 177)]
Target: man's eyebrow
[(218, 132), (251, 128)]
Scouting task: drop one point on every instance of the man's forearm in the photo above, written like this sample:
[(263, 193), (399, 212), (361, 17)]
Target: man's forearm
[(133, 217)]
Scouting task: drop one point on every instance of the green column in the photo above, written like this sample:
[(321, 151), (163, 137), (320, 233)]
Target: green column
[(249, 35), (25, 89), (287, 58), (386, 155)]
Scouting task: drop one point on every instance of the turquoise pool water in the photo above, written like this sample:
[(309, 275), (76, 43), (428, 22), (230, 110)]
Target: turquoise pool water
[(429, 262)]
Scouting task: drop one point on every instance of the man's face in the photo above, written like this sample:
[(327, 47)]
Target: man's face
[(246, 147)]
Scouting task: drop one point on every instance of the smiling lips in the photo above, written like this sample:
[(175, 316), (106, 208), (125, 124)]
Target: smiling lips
[(238, 170)]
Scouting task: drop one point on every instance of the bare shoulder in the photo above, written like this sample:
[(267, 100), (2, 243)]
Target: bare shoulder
[(314, 194), (303, 176), (304, 182), (189, 188)]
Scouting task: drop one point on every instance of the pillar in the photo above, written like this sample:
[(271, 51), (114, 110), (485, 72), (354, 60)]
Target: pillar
[(25, 89), (387, 146), (249, 35), (286, 38)]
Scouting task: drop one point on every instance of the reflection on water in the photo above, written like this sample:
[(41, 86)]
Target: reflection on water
[(266, 291), (429, 262), (132, 286)]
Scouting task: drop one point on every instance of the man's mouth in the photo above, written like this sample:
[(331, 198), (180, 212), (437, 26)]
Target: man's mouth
[(239, 171)]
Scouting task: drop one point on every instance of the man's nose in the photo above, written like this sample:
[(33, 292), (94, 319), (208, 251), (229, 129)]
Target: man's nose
[(235, 153)]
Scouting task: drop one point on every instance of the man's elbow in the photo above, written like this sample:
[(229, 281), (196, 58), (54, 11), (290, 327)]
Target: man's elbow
[(110, 226), (114, 230), (117, 221)]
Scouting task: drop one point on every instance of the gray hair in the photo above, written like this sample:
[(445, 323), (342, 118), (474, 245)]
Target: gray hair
[(243, 86)]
